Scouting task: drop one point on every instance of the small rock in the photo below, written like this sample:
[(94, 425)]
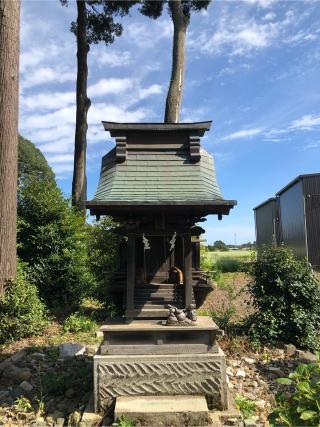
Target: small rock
[(59, 422), (249, 422), (17, 392), (230, 386), (290, 350), (99, 334), (249, 361), (231, 421), (255, 384), (229, 371), (49, 420), (299, 354), (235, 363), (91, 350), (14, 375), (25, 385), (17, 357), (240, 373), (5, 364), (69, 393), (56, 415), (38, 356), (3, 395), (274, 369), (260, 403), (309, 357), (70, 350)]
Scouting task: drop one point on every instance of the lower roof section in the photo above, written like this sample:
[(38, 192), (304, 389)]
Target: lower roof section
[(218, 207)]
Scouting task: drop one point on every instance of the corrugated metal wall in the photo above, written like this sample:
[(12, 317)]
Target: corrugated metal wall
[(265, 223), (293, 220), (311, 187)]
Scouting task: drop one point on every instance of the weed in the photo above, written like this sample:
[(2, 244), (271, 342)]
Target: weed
[(123, 421), (23, 404), (77, 322), (246, 406)]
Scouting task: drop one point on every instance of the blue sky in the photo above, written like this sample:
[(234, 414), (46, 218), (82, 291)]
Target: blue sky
[(253, 67)]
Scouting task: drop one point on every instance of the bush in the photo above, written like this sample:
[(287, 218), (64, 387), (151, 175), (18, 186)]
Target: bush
[(286, 295), (228, 265), (22, 313), (77, 322), (52, 239), (299, 404)]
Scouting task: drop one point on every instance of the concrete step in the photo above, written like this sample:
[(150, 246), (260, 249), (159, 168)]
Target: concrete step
[(156, 313), (163, 410)]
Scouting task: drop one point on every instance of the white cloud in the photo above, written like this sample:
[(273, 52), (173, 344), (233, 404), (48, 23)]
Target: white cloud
[(306, 122), (149, 33), (154, 89), (45, 75), (60, 158), (244, 133), (261, 3), (47, 100), (112, 58), (113, 85), (58, 146)]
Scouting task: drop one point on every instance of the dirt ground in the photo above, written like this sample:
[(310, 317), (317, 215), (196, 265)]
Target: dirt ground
[(230, 291)]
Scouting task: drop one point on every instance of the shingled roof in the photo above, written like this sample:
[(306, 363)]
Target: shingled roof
[(158, 167)]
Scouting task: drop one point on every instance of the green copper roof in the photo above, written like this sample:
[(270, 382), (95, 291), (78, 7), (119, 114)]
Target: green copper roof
[(150, 177)]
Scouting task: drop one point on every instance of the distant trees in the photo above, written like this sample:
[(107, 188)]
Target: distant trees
[(9, 96), (180, 12), (218, 245)]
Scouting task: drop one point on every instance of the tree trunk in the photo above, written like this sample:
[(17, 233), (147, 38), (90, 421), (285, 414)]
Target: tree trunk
[(174, 96), (9, 102), (79, 182)]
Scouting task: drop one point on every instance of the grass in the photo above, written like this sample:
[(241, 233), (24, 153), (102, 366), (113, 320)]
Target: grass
[(240, 255)]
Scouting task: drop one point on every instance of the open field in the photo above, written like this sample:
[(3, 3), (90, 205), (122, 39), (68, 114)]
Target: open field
[(240, 255)]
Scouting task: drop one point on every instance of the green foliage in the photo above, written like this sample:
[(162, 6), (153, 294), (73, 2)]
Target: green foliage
[(228, 264), (52, 239), (22, 404), (31, 162), (102, 252), (299, 403), (22, 313), (77, 322), (123, 421), (246, 406), (98, 310), (286, 295), (219, 245)]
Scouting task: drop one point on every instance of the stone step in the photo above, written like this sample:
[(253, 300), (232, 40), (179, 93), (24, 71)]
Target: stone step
[(154, 312), (163, 410)]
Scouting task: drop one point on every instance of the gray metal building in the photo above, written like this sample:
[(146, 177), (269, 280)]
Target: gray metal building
[(293, 218)]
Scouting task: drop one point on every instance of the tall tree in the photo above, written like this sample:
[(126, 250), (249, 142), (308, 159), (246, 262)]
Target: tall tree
[(180, 12), (94, 24), (9, 101)]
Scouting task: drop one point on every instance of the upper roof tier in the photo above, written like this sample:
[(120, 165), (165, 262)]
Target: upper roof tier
[(160, 165)]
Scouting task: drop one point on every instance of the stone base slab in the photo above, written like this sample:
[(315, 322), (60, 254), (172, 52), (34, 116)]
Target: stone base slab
[(160, 375), (163, 410)]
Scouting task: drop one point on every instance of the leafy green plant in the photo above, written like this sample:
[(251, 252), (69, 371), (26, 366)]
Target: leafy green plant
[(123, 421), (54, 383), (246, 406), (23, 404), (22, 313), (77, 322), (299, 403), (286, 296)]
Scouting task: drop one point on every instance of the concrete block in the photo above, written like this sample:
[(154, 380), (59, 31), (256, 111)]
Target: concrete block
[(163, 410)]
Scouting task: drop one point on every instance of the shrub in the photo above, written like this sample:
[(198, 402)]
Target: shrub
[(286, 295), (22, 313), (299, 403), (228, 264), (77, 322), (52, 239)]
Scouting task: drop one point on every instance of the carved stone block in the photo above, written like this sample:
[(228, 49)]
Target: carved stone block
[(160, 375)]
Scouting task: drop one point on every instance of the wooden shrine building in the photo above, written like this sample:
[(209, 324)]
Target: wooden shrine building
[(158, 183)]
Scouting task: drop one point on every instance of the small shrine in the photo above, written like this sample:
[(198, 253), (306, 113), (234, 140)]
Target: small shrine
[(159, 184)]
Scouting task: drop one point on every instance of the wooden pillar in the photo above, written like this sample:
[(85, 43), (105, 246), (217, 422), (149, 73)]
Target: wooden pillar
[(131, 273), (188, 269)]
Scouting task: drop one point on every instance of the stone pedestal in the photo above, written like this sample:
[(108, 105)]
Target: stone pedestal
[(151, 359)]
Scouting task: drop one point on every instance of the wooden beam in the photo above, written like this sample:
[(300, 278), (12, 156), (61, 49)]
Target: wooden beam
[(131, 273), (188, 269)]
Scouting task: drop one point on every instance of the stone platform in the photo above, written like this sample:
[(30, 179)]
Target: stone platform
[(144, 358), (147, 337), (164, 410)]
